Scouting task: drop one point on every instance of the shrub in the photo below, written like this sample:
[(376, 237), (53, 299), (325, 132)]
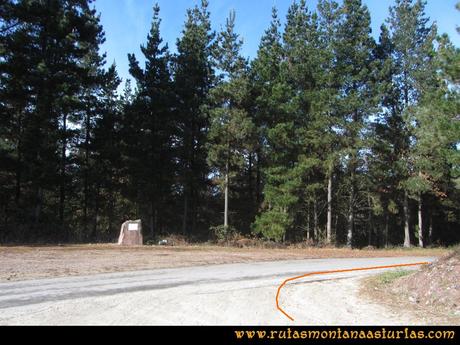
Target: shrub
[(223, 233), (272, 225)]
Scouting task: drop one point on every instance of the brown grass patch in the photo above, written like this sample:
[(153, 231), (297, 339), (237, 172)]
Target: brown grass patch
[(32, 262)]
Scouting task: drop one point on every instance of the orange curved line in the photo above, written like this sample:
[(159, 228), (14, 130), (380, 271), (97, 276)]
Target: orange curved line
[(335, 271)]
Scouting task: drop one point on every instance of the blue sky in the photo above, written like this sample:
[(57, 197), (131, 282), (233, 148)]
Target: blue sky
[(127, 22)]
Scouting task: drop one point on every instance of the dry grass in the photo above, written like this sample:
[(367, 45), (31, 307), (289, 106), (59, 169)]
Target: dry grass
[(433, 293), (32, 262)]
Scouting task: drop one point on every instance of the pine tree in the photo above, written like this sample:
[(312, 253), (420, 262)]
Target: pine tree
[(231, 133), (386, 129), (436, 134), (15, 99), (304, 51), (327, 116), (107, 159), (268, 93), (88, 109), (51, 40), (412, 37), (278, 140), (151, 164), (193, 80), (292, 162), (354, 65)]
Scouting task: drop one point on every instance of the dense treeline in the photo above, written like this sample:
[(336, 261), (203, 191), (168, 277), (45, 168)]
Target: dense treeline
[(327, 135)]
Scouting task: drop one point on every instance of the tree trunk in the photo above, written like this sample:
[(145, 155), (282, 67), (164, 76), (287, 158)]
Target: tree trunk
[(420, 222), (251, 184), (315, 219), (152, 219), (226, 200), (38, 208), (194, 211), (110, 212), (329, 211), (258, 180), (157, 226), (96, 213), (62, 172), (350, 229), (193, 196), (5, 221), (18, 177), (430, 235), (85, 202), (406, 222), (387, 221), (371, 225), (185, 215), (19, 162), (18, 186), (351, 210), (351, 218), (86, 173), (336, 223)]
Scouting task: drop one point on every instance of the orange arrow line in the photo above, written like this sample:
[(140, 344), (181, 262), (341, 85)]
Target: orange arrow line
[(335, 271)]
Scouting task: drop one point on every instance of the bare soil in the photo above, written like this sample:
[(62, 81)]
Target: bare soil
[(33, 262), (433, 293)]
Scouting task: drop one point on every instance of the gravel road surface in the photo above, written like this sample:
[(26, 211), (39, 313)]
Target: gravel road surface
[(236, 294)]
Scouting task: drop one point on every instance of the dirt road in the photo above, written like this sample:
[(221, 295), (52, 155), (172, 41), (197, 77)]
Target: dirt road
[(236, 294)]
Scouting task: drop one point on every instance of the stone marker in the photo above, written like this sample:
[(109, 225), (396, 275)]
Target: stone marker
[(131, 233)]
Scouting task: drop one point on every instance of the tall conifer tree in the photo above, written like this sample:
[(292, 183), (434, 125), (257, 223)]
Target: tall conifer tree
[(150, 155), (193, 80), (231, 133)]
